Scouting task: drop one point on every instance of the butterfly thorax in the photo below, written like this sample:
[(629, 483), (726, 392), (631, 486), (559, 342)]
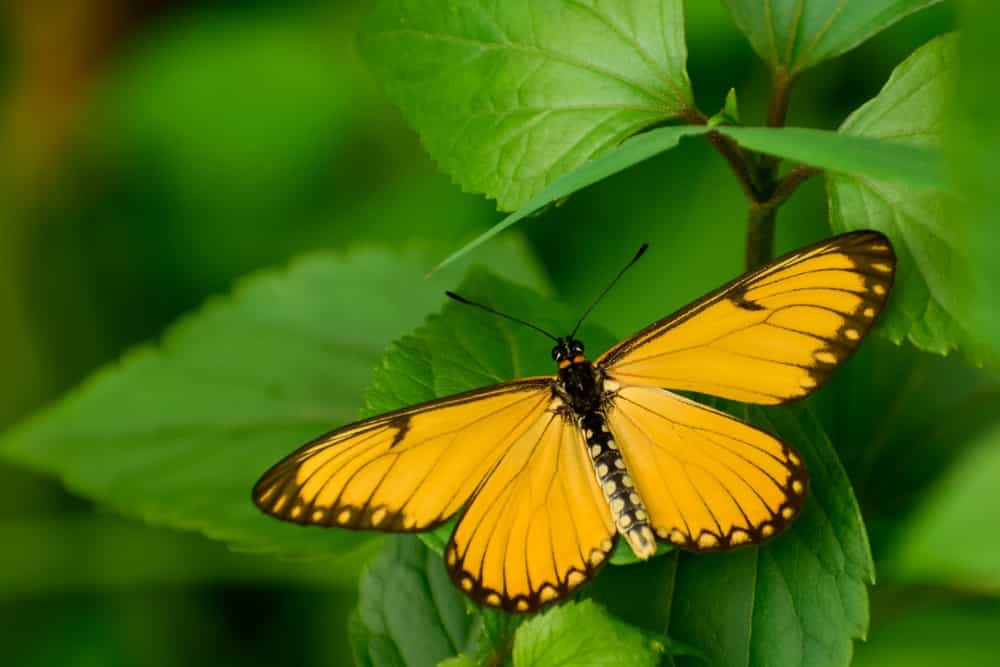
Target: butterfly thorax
[(580, 384)]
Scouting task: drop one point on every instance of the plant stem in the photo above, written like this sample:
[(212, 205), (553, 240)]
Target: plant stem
[(760, 235), (764, 209)]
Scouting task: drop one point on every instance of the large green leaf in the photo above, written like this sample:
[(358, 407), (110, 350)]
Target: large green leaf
[(931, 303), (509, 96), (797, 34), (409, 613), (951, 538), (582, 635), (800, 599), (178, 433)]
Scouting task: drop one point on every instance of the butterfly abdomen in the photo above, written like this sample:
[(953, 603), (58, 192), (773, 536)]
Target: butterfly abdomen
[(630, 515)]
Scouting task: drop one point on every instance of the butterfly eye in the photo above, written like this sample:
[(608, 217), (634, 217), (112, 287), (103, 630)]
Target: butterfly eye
[(557, 353), (577, 347)]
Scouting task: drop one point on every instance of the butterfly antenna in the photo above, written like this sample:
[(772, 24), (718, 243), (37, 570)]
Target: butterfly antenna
[(462, 299), (607, 289)]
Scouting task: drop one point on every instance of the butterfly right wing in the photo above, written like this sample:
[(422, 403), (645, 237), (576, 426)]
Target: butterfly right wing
[(407, 470)]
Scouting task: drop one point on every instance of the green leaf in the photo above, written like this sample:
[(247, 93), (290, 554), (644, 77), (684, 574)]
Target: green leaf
[(930, 304), (798, 600), (409, 613), (951, 538), (925, 631), (868, 157), (796, 34), (972, 131), (509, 96), (629, 153), (893, 403), (582, 635), (179, 432)]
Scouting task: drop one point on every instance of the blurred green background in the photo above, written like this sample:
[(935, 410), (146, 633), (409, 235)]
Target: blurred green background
[(155, 152)]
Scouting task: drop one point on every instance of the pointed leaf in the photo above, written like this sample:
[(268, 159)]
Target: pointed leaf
[(178, 433), (631, 152), (931, 303), (797, 34), (873, 157), (409, 613), (509, 96)]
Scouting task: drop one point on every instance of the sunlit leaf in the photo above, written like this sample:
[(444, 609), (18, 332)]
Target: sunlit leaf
[(582, 635), (509, 96), (178, 433), (931, 303), (797, 34)]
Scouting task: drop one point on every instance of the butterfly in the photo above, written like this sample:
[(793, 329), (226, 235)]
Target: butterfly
[(548, 472)]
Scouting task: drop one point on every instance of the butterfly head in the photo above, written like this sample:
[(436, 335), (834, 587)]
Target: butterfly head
[(568, 351)]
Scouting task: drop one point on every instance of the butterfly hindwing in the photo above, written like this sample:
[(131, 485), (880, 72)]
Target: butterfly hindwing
[(407, 470), (539, 527), (709, 481), (771, 336)]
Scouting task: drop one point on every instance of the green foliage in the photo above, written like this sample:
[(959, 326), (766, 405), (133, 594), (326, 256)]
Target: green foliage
[(509, 96), (582, 635), (409, 612), (930, 304), (240, 138), (797, 34), (248, 379)]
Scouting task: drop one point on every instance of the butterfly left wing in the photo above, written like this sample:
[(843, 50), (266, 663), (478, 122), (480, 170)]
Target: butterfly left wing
[(407, 470), (709, 481), (771, 336), (539, 527)]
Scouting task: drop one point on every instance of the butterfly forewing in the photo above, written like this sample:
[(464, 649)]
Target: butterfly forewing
[(407, 470), (771, 336)]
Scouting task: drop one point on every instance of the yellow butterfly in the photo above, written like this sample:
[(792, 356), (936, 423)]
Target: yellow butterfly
[(551, 470)]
